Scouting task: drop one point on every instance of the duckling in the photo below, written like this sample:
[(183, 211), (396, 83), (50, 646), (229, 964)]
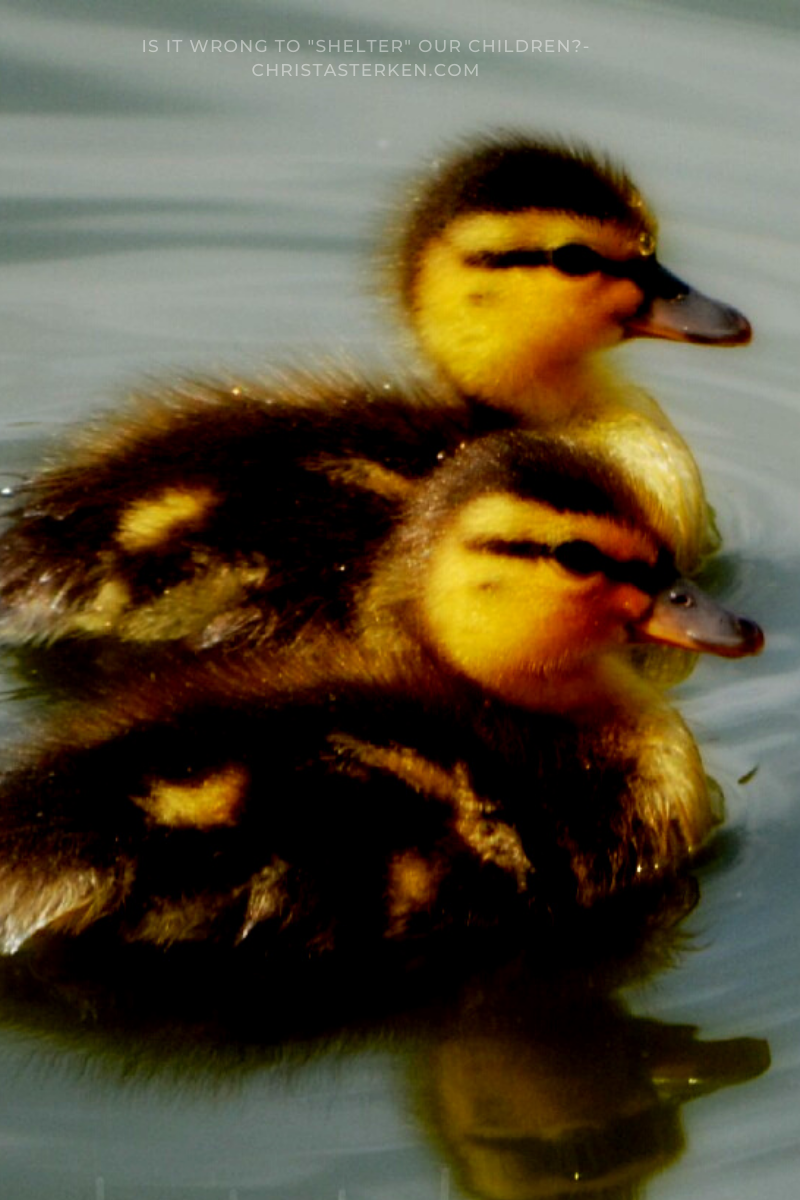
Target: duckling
[(556, 252), (210, 514), (476, 747), (520, 262)]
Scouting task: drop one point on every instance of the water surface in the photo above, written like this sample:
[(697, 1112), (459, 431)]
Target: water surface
[(171, 212)]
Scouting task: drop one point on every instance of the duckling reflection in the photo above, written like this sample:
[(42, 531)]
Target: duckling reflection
[(520, 1073), (551, 1091), (477, 748), (237, 513)]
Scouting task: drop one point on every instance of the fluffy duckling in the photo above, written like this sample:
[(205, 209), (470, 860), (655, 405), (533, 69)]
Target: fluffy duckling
[(520, 262), (520, 259), (212, 513), (476, 747)]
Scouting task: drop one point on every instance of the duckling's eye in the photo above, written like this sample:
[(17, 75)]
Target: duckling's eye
[(575, 259), (581, 558)]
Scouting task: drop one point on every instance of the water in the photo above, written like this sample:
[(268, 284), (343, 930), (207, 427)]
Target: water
[(173, 211)]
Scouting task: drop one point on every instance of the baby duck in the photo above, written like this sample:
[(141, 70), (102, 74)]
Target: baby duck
[(476, 747), (520, 259), (212, 513), (520, 262)]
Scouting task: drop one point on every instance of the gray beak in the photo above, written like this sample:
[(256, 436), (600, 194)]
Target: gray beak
[(677, 312), (684, 615)]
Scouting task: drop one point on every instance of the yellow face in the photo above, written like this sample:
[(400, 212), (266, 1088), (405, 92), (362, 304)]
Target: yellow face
[(510, 617), (498, 331)]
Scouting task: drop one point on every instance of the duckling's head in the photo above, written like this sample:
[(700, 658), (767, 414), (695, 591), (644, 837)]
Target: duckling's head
[(526, 562), (520, 257)]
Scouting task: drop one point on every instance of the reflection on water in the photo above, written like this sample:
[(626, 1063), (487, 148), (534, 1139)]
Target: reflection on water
[(527, 1077), (551, 1093)]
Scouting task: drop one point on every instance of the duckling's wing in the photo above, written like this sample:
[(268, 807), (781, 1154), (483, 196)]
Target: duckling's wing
[(159, 831), (302, 821), (211, 514)]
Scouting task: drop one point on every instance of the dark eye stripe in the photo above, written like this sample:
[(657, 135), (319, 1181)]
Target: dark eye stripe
[(573, 259), (503, 259), (511, 549), (584, 559)]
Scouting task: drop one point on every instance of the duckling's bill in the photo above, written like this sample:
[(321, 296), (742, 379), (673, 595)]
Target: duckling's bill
[(684, 615), (677, 312)]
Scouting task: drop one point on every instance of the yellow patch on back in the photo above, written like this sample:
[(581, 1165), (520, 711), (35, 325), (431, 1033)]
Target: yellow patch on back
[(202, 607), (369, 475), (189, 919), (104, 609), (490, 839), (148, 522), (203, 804), (412, 887)]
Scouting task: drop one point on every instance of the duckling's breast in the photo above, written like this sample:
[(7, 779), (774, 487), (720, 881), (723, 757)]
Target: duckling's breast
[(661, 470)]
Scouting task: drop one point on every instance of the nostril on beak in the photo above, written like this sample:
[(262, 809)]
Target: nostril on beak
[(681, 599)]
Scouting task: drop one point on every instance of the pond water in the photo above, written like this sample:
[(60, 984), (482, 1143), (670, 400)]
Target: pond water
[(169, 209)]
